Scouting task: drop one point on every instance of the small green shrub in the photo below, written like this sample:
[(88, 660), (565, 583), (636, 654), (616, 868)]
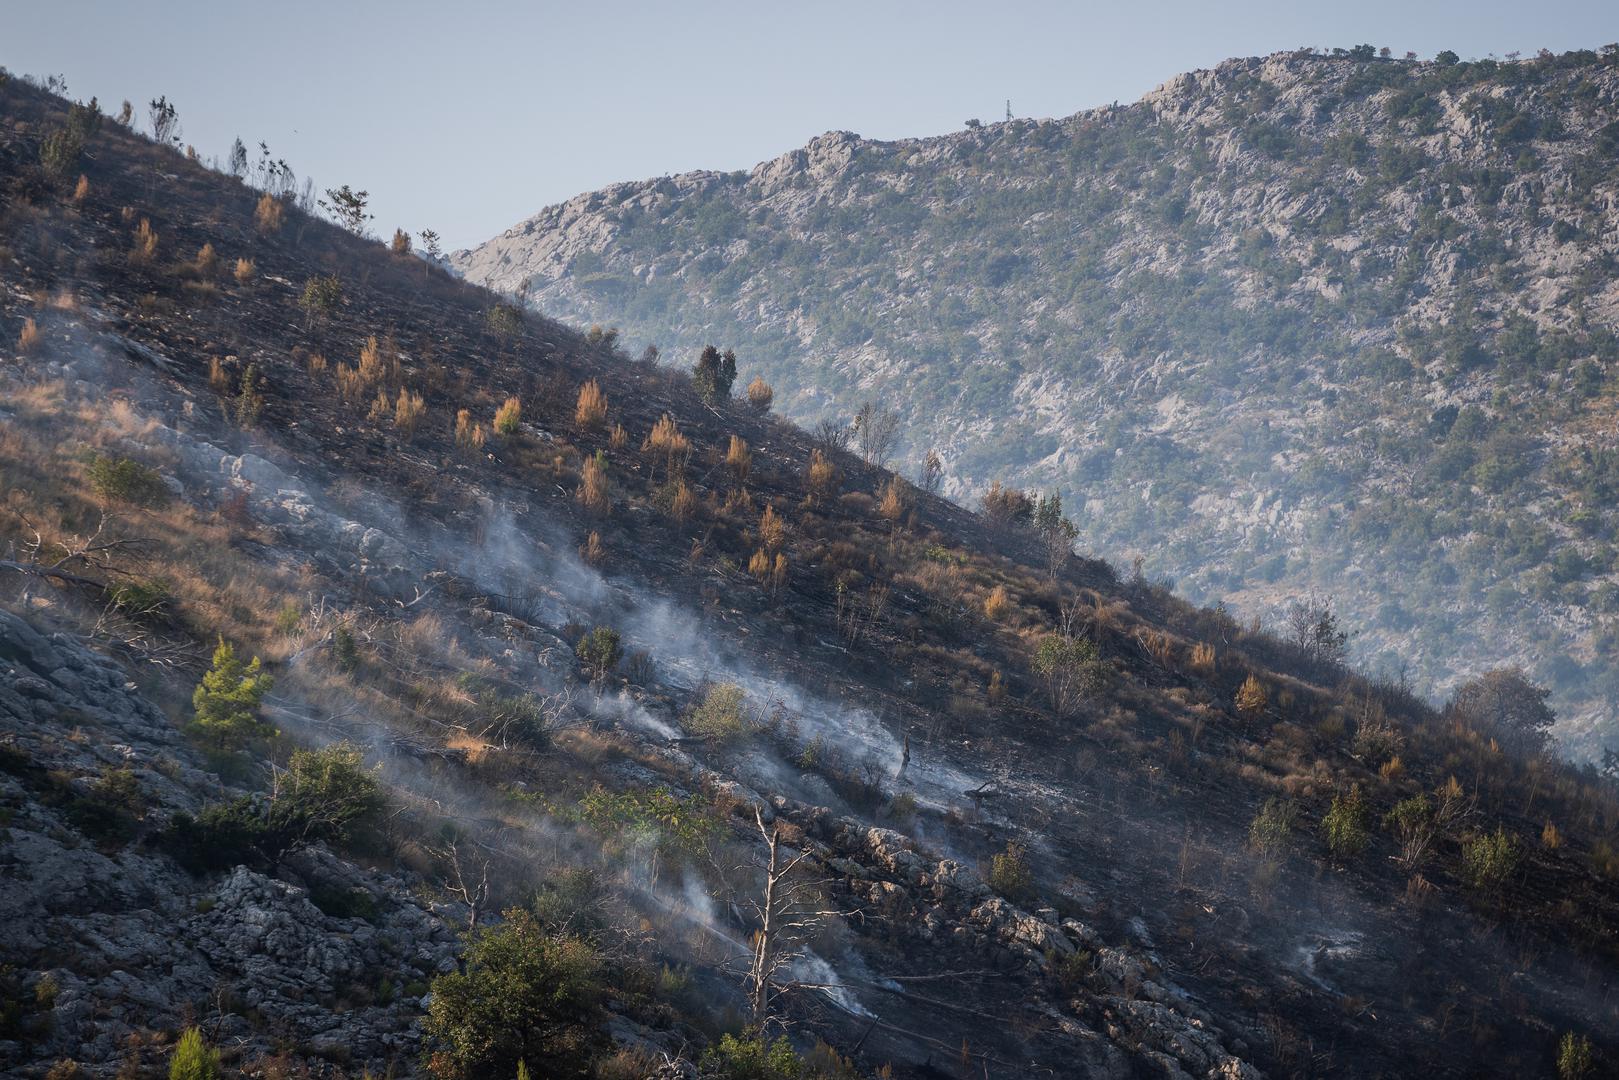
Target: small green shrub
[(1271, 828), (194, 1059), (322, 795), (1489, 859), (321, 296), (650, 816), (1344, 825), (524, 995), (721, 714), (599, 651), (121, 479), (228, 698), (752, 1057), (139, 597), (1575, 1059), (1009, 873)]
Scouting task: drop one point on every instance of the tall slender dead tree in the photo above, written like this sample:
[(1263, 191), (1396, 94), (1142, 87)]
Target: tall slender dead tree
[(789, 911)]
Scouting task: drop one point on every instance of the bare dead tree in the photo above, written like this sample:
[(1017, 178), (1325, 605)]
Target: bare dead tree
[(877, 429), (466, 876), (932, 475), (831, 437), (857, 615), (788, 911)]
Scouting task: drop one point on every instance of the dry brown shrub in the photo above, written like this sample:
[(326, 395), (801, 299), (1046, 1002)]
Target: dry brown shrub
[(81, 190), (683, 504), (823, 477), (590, 411), (1203, 659), (145, 249), (267, 214), (760, 395), (469, 434), (400, 245), (244, 271), (738, 459), (29, 339), (1252, 698), (666, 439), (592, 550), (509, 416), (1157, 645), (618, 439), (220, 380), (408, 411), (772, 530), (207, 263), (594, 493), (894, 502), (997, 603)]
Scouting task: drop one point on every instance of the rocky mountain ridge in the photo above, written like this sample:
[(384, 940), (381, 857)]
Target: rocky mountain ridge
[(1298, 322)]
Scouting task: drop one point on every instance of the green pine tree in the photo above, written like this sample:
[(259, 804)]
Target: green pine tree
[(228, 698), (193, 1059)]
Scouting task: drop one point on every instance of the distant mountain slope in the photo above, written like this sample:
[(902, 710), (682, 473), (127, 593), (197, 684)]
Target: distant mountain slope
[(1296, 322)]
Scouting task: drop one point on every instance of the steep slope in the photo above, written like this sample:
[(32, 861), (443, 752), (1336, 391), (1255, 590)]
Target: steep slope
[(1062, 824), (1301, 322)]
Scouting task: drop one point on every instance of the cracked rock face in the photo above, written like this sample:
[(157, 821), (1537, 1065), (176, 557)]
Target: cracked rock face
[(129, 941)]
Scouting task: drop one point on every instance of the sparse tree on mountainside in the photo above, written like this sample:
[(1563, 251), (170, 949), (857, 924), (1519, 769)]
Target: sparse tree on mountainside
[(1313, 626), (714, 373), (932, 474), (430, 247), (877, 431), (228, 698), (347, 207), (165, 121), (1504, 705), (237, 162), (1057, 534)]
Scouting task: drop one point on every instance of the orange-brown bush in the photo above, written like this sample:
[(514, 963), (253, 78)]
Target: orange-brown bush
[(682, 501), (29, 339), (894, 501), (145, 249), (1203, 659), (997, 603), (590, 412), (220, 379), (267, 214), (1252, 698), (823, 477), (408, 411), (207, 262), (772, 530), (508, 416), (594, 493), (666, 439), (760, 395), (244, 271), (469, 434), (738, 459), (592, 550)]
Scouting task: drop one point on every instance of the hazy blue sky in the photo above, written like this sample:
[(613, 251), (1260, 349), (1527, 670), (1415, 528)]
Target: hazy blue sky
[(467, 117)]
